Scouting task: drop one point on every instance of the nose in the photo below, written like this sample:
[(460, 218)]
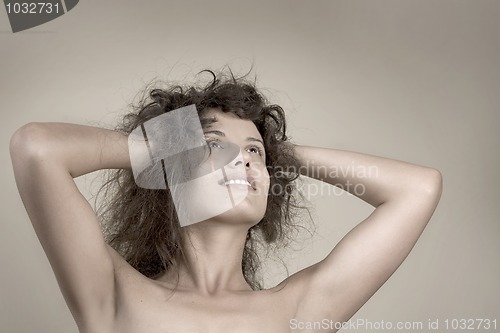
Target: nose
[(239, 162), (245, 159)]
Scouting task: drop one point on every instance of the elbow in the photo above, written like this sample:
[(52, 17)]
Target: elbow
[(27, 141), (432, 184)]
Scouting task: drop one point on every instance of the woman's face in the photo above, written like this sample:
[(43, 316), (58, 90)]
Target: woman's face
[(233, 181)]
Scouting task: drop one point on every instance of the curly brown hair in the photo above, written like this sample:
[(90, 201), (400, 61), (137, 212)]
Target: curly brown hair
[(142, 224)]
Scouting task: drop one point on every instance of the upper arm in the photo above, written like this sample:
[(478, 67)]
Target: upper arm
[(367, 256), (67, 228)]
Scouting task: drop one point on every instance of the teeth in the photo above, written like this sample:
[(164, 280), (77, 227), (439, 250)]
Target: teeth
[(237, 182)]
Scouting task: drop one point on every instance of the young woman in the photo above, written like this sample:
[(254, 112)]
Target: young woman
[(153, 275)]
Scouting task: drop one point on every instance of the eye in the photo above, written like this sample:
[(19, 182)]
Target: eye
[(255, 150), (214, 144)]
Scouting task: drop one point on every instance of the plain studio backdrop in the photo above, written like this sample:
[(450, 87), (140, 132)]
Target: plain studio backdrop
[(411, 80)]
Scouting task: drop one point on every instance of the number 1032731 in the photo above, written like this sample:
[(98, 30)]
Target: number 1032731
[(470, 324), (33, 8)]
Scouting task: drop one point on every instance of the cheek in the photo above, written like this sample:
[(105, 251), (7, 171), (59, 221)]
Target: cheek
[(262, 175), (267, 183)]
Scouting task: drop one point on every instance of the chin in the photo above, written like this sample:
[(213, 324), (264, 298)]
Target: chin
[(245, 213)]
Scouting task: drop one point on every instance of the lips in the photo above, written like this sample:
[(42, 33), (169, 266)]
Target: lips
[(251, 180), (238, 180)]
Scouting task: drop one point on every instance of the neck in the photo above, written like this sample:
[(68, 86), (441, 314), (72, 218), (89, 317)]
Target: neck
[(212, 259)]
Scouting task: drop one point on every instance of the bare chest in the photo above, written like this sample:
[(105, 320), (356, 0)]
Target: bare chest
[(183, 312)]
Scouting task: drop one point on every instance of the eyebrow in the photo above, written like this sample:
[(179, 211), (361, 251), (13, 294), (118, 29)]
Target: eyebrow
[(208, 121), (220, 133)]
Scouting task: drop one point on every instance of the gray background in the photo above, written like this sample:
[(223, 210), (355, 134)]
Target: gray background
[(411, 80)]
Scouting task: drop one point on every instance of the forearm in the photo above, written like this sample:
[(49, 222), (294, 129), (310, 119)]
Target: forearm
[(77, 148), (373, 179)]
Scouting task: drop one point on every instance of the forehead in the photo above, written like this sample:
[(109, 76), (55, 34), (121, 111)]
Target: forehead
[(229, 123)]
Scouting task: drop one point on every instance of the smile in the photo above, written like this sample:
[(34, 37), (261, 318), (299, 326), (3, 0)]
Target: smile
[(237, 182)]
